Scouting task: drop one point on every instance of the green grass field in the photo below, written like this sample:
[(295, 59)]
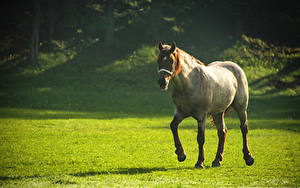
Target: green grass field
[(140, 152), (81, 124)]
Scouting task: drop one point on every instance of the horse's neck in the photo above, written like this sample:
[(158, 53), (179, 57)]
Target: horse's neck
[(188, 64)]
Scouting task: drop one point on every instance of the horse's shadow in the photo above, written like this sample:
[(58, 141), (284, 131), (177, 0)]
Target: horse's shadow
[(120, 171), (128, 171)]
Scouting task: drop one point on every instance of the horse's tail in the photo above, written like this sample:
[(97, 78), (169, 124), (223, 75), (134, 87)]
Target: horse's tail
[(211, 121)]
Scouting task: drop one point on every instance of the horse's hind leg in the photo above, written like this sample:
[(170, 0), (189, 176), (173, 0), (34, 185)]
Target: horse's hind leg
[(244, 128), (222, 131)]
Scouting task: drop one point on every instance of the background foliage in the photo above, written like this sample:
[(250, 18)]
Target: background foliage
[(91, 113)]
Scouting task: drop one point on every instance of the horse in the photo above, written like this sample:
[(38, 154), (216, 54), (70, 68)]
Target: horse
[(199, 91)]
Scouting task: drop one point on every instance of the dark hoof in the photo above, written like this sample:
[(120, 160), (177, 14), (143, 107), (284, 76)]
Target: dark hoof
[(199, 166), (249, 161), (216, 164), (181, 157)]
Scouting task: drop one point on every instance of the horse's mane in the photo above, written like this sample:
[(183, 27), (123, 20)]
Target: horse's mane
[(192, 57), (183, 52)]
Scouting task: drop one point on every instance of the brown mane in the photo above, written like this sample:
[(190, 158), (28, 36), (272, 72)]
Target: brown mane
[(176, 55), (195, 59), (178, 62), (183, 52)]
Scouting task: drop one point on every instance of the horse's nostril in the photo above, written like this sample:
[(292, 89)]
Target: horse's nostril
[(162, 82)]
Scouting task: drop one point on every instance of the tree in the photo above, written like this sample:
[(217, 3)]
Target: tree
[(34, 48), (109, 35), (52, 18), (155, 21)]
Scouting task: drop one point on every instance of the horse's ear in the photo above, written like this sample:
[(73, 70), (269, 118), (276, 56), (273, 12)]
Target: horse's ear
[(160, 47), (173, 47)]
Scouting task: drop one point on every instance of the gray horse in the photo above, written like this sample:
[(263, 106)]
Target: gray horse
[(200, 90)]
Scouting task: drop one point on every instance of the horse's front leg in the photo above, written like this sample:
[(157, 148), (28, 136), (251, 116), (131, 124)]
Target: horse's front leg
[(201, 138), (174, 127)]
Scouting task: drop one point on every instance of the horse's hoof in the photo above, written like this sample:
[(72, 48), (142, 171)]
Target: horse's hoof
[(199, 166), (249, 161), (181, 157), (216, 164)]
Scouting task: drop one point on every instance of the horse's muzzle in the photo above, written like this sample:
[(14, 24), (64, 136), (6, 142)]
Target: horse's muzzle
[(163, 83)]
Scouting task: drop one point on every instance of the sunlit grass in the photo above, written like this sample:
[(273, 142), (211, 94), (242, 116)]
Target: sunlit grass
[(140, 152)]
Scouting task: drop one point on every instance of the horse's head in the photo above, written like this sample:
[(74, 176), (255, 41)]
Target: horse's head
[(168, 64)]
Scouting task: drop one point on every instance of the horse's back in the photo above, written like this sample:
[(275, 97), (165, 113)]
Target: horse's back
[(232, 67), (241, 97)]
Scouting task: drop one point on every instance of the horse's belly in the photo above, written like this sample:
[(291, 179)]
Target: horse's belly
[(223, 96), (220, 104), (191, 104)]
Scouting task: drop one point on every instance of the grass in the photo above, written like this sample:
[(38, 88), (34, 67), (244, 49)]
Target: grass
[(88, 122), (140, 152)]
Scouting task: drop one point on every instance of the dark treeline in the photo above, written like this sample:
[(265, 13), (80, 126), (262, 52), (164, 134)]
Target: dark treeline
[(204, 23)]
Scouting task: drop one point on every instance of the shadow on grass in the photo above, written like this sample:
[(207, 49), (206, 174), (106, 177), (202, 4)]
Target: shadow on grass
[(277, 79), (130, 171), (120, 171), (127, 171), (6, 178), (35, 114), (139, 105)]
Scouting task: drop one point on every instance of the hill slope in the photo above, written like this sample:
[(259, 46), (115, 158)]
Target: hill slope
[(126, 85)]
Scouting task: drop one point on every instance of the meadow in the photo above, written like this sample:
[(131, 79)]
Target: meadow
[(80, 124)]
